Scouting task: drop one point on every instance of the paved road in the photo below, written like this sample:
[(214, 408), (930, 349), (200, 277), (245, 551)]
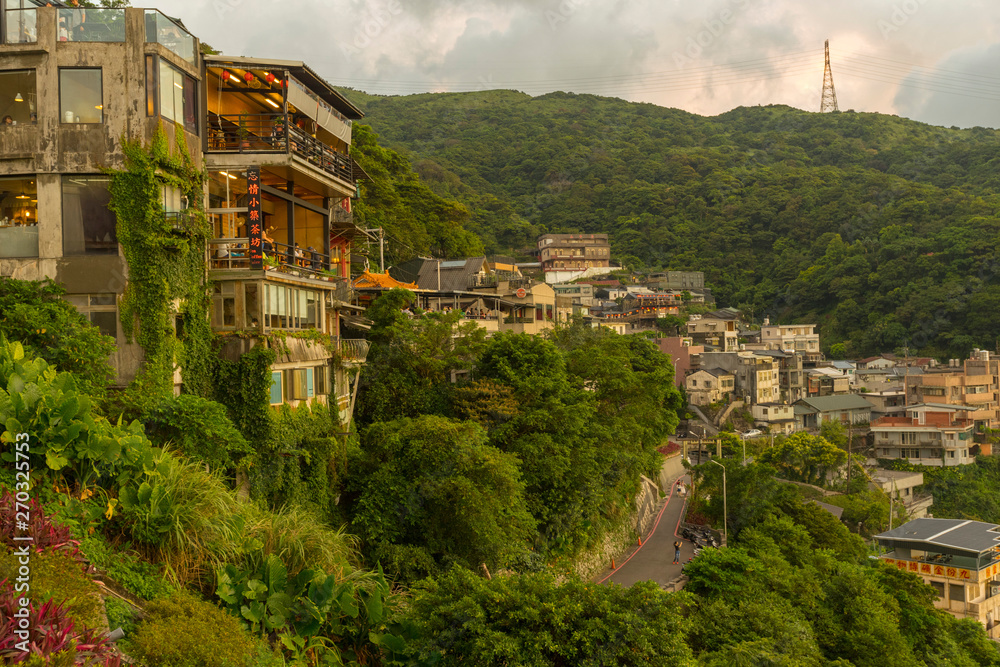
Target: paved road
[(654, 559)]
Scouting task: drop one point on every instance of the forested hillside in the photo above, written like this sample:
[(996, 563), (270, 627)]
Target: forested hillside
[(880, 229)]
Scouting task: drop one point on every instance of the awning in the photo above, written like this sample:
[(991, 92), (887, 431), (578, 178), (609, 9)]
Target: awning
[(300, 98), (356, 322)]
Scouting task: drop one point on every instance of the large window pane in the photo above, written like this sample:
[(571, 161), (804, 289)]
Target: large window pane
[(18, 217), (21, 27), (81, 97), (17, 96), (177, 97), (88, 224), (151, 85)]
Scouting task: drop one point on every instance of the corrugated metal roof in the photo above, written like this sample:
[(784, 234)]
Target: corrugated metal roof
[(836, 402), (971, 536)]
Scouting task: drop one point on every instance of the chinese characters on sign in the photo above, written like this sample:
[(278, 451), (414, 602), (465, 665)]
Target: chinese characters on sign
[(255, 220)]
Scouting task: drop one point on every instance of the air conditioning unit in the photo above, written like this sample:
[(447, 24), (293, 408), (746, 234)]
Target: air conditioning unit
[(994, 588)]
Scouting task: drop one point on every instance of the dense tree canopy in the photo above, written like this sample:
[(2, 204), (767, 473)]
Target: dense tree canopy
[(881, 230)]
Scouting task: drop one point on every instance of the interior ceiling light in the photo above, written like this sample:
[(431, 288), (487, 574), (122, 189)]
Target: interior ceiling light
[(271, 102), (22, 196), (18, 98), (234, 77)]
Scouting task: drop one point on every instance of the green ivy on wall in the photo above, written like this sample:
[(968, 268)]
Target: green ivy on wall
[(166, 263)]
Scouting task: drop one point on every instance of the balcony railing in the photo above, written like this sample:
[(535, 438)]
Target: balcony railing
[(353, 350), (255, 133), (91, 25), (231, 254), (162, 30)]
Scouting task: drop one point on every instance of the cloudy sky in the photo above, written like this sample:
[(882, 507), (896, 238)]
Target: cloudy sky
[(930, 60)]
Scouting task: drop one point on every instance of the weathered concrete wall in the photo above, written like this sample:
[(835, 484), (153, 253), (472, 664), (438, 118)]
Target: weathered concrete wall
[(50, 149)]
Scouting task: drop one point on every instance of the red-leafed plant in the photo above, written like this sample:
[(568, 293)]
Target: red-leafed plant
[(51, 631), (46, 533)]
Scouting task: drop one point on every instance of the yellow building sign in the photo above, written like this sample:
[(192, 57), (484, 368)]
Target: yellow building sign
[(933, 569)]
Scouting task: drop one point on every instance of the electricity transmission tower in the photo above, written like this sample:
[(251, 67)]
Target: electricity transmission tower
[(829, 102)]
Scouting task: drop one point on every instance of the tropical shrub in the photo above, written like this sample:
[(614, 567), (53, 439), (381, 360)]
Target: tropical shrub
[(199, 429), (185, 631), (53, 632), (57, 576), (49, 327)]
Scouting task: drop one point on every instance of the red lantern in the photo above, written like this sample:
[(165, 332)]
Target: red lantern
[(248, 77), (225, 74), (270, 77)]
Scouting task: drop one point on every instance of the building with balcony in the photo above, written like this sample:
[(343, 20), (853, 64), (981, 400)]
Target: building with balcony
[(826, 382), (77, 81), (677, 280), (973, 383), (776, 417), (74, 82), (493, 295), (792, 338), (810, 413), (928, 434), (713, 385), (565, 257), (959, 559), (717, 331), (756, 374)]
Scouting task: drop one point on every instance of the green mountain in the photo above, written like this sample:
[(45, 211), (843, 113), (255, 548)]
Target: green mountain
[(880, 229)]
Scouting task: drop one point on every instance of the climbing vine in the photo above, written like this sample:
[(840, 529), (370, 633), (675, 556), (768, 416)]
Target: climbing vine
[(166, 262)]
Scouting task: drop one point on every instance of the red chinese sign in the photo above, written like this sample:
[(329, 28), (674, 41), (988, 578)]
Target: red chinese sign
[(255, 220)]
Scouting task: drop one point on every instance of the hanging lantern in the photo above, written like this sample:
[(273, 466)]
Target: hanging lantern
[(225, 74), (269, 78), (248, 77)]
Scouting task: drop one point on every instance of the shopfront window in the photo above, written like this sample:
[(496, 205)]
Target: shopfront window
[(81, 96), (89, 227), (18, 217), (17, 97)]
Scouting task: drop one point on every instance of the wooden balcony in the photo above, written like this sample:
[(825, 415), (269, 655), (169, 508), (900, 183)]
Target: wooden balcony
[(273, 133)]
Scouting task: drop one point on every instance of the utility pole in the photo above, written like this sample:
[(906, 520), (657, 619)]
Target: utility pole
[(725, 506), (829, 99), (370, 233)]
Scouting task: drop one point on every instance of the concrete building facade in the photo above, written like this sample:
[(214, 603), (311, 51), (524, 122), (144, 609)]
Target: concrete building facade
[(928, 434)]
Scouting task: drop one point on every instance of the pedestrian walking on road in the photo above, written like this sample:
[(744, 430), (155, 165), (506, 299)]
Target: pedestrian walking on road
[(677, 552)]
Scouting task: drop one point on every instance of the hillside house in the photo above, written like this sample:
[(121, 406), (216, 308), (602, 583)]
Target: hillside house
[(712, 385), (810, 413), (928, 434)]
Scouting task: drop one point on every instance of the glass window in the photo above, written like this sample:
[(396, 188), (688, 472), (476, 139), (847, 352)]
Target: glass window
[(177, 97), (276, 397), (100, 309), (89, 226), (17, 97), (81, 97), (20, 21), (91, 25), (18, 218), (162, 30), (151, 85)]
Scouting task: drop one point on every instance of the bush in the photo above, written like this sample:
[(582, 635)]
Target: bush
[(125, 568), (35, 314), (186, 513), (199, 429), (300, 539), (184, 631)]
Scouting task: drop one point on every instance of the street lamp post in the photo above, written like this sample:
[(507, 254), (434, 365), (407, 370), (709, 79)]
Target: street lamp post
[(725, 507)]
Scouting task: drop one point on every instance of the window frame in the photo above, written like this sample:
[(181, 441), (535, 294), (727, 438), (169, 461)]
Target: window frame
[(187, 82), (62, 196), (62, 111), (90, 308), (33, 73)]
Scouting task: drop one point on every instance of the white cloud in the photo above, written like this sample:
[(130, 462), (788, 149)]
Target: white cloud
[(703, 57)]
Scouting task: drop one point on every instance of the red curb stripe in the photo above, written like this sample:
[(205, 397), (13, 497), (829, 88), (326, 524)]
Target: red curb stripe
[(670, 497)]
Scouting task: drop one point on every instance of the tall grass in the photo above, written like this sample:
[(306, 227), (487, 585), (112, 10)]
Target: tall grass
[(206, 524), (301, 539)]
